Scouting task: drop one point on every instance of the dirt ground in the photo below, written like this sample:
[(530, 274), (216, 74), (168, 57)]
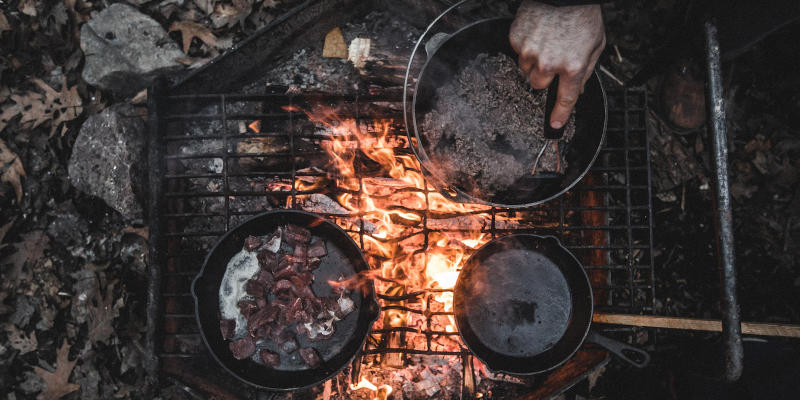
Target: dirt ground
[(73, 270)]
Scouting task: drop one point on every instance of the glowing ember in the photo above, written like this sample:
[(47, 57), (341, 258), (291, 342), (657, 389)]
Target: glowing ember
[(381, 393)]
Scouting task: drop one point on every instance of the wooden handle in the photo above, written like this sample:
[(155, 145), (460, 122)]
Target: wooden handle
[(692, 324)]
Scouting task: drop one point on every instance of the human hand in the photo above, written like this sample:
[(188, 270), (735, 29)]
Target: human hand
[(564, 41)]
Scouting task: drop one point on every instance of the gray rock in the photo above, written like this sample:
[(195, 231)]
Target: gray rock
[(108, 159), (125, 50)]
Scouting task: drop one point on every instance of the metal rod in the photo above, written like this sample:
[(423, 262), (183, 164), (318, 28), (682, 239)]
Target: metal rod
[(731, 329), (155, 166)]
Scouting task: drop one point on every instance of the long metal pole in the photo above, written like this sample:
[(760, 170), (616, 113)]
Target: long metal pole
[(731, 327), (153, 309)]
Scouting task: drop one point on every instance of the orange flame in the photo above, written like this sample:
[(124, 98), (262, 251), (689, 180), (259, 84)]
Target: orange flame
[(393, 207)]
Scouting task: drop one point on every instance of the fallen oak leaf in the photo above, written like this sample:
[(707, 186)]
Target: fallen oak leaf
[(36, 108), (228, 15), (20, 341), (190, 30), (57, 383), (12, 169), (103, 314), (29, 251)]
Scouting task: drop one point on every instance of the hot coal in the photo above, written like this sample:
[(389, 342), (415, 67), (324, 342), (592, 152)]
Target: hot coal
[(487, 127), (279, 306)]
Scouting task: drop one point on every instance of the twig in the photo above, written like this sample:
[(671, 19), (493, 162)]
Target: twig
[(619, 56), (539, 156), (610, 75)]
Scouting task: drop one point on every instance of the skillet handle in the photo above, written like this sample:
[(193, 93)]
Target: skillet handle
[(619, 349)]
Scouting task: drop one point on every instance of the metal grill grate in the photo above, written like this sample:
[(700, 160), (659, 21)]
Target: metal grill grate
[(217, 172)]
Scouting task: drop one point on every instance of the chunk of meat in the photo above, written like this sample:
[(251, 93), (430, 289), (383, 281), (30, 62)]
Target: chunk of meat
[(279, 334), (273, 243), (267, 260), (285, 273), (267, 279), (311, 264), (251, 243), (317, 249), (310, 356), (255, 288), (270, 359), (242, 348), (302, 279), (297, 235), (301, 252), (227, 327), (247, 307)]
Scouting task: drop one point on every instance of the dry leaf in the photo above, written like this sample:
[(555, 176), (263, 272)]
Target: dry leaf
[(11, 169), (4, 23), (189, 30), (27, 7), (102, 314), (37, 108), (29, 250), (193, 62), (143, 232), (334, 46), (231, 14), (57, 383), (19, 341), (140, 97)]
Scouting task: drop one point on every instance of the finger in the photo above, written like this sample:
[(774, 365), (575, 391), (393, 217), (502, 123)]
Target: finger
[(568, 90), (592, 63), (526, 64), (539, 79)]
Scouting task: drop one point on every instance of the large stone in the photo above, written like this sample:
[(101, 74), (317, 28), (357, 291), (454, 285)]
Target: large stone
[(108, 159), (125, 50)]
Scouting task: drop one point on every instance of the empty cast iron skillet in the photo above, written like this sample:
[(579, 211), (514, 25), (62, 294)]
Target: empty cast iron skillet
[(523, 305), (344, 259), (448, 54)]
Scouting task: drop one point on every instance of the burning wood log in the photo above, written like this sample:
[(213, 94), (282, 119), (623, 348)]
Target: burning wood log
[(393, 318)]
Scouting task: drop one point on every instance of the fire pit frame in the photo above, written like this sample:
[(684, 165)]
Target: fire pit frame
[(626, 209)]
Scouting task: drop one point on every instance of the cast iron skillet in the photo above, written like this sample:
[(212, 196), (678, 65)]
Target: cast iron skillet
[(523, 305), (344, 259), (448, 54)]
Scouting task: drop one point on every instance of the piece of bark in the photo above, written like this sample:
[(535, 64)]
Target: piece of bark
[(335, 46)]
